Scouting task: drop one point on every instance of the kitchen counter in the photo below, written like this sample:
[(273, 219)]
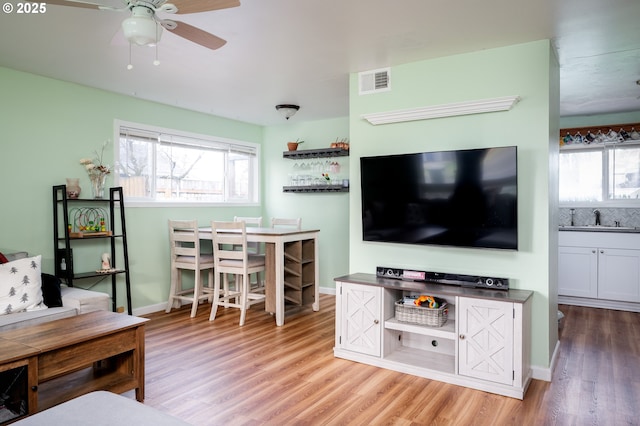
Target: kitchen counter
[(600, 228)]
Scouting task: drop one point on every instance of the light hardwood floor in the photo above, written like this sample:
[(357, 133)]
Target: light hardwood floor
[(222, 374)]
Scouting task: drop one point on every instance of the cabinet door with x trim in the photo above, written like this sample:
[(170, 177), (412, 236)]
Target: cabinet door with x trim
[(485, 334)]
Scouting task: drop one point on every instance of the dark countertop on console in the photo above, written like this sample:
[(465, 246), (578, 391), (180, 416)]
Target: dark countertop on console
[(513, 295)]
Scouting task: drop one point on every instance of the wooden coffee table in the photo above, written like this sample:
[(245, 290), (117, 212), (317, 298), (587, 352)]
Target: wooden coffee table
[(73, 356)]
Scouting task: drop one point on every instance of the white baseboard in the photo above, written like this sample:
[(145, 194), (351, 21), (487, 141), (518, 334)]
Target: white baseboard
[(157, 307), (546, 373), (599, 303), (150, 309)]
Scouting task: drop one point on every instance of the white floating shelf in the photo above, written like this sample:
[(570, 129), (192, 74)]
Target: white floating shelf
[(446, 110)]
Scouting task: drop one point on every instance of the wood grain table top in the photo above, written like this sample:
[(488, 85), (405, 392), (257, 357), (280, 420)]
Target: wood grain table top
[(68, 331)]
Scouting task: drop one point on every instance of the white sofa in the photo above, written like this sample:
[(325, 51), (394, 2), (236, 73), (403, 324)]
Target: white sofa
[(74, 301)]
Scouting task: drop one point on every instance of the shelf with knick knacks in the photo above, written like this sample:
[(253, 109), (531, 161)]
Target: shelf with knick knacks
[(317, 176), (316, 188), (91, 224), (316, 153), (583, 137)]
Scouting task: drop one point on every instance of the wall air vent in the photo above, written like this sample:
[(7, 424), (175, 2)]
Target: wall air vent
[(374, 81)]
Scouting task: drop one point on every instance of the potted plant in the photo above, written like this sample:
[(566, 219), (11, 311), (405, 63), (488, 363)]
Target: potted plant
[(292, 146)]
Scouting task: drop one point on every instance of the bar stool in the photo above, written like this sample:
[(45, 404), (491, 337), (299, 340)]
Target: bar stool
[(225, 236), (253, 247), (185, 255), (277, 222)]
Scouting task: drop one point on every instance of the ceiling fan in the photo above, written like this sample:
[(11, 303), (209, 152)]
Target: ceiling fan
[(144, 27)]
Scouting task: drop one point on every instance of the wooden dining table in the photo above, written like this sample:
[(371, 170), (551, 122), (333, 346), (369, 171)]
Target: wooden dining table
[(285, 249)]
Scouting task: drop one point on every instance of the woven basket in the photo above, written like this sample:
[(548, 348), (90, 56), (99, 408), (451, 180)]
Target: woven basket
[(432, 317)]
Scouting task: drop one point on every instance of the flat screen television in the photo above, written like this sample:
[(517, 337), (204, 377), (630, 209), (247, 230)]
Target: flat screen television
[(461, 198)]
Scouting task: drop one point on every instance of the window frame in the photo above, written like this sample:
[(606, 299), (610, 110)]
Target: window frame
[(606, 150), (254, 178)]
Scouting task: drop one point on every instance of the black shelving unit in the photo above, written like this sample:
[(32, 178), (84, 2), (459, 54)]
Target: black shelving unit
[(64, 239)]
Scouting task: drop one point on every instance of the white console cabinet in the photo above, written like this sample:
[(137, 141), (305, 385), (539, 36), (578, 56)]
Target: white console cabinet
[(483, 345), (599, 269)]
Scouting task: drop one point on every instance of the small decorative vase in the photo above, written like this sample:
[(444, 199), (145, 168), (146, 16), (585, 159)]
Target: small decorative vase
[(292, 146), (73, 188), (97, 185)]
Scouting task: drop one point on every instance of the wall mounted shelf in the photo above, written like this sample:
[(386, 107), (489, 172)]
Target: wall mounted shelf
[(630, 128), (316, 188), (316, 153), (441, 111)]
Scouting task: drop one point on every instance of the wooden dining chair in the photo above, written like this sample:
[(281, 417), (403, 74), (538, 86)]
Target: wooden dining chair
[(277, 222), (185, 255), (240, 263)]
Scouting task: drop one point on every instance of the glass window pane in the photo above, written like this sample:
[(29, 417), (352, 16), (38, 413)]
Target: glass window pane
[(189, 173), (135, 166), (624, 173), (162, 166), (580, 176), (239, 176)]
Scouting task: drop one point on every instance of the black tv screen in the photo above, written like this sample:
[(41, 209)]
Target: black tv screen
[(462, 198)]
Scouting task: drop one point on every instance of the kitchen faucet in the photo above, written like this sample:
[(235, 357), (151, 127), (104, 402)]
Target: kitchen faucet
[(597, 213)]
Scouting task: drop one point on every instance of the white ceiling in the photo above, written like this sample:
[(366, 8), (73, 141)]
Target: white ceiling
[(301, 51)]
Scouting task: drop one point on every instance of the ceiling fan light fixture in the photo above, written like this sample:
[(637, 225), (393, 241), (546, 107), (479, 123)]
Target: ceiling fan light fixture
[(141, 28), (287, 110)]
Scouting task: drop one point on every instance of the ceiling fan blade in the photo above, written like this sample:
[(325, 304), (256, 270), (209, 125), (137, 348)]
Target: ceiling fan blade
[(196, 6), (82, 4), (197, 35)]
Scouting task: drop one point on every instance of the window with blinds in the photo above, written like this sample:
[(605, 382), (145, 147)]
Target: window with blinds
[(160, 165)]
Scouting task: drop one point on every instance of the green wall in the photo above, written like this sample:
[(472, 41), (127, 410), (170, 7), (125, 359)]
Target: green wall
[(328, 212), (527, 70), (47, 126)]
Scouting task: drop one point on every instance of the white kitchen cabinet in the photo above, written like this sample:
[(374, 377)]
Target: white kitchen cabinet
[(578, 271), (484, 344), (599, 269), (619, 274)]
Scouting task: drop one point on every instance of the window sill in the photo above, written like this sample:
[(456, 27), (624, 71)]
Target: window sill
[(189, 204), (629, 204)]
